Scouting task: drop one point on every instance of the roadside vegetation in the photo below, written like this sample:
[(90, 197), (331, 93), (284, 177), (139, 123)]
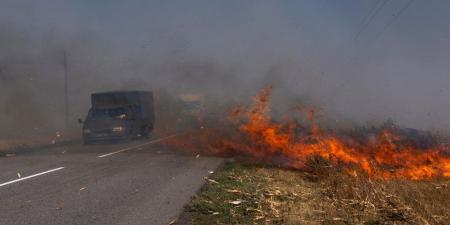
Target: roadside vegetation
[(12, 146), (245, 192)]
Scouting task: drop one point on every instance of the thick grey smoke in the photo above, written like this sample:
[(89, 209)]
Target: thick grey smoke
[(228, 50)]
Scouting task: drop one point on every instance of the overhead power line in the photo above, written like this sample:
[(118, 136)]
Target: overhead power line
[(371, 16), (393, 19), (370, 13)]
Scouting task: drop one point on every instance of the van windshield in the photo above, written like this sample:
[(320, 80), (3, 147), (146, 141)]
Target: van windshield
[(115, 113)]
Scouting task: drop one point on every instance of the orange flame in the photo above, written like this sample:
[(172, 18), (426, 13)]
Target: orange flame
[(258, 136), (383, 157)]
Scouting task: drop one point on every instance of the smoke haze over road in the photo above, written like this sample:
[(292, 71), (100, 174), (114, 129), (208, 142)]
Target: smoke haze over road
[(227, 49)]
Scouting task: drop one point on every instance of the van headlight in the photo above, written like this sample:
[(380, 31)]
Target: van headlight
[(118, 129), (87, 131)]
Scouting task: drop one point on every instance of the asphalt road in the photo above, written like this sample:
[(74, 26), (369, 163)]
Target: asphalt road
[(134, 183)]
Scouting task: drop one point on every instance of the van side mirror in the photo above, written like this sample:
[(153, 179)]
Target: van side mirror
[(80, 121)]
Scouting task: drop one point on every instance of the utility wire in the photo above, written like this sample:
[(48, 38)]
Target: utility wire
[(370, 13), (371, 17), (393, 19)]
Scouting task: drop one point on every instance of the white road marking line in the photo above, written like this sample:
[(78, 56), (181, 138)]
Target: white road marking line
[(28, 177), (137, 146)]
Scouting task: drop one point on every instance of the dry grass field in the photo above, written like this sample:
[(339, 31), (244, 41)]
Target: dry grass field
[(243, 192)]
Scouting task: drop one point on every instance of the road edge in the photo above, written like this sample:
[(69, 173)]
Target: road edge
[(33, 148), (184, 218)]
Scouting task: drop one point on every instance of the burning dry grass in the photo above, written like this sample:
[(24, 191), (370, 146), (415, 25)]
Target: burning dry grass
[(383, 152), (359, 199), (376, 176), (245, 193)]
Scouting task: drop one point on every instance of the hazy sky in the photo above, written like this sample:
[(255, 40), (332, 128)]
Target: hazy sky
[(398, 67)]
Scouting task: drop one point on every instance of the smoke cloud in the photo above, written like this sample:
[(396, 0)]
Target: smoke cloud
[(227, 50)]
